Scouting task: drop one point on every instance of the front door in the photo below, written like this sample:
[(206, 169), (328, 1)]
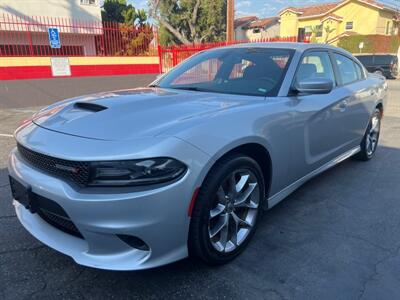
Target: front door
[(301, 35), (320, 133)]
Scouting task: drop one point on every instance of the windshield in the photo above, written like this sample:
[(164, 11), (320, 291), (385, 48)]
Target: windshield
[(243, 71)]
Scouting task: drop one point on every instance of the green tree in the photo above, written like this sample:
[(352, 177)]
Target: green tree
[(121, 12), (141, 17), (116, 10), (188, 21), (314, 32), (134, 33), (328, 31)]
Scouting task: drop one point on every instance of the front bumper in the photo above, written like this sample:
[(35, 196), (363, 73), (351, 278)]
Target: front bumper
[(157, 216)]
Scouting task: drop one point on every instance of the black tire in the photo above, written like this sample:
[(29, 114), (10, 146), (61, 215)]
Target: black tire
[(199, 242), (365, 154)]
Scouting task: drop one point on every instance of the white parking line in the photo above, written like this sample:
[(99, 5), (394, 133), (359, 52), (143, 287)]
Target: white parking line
[(6, 135)]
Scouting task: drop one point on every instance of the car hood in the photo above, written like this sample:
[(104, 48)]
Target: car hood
[(135, 113)]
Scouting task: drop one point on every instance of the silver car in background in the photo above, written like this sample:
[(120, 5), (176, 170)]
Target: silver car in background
[(140, 178)]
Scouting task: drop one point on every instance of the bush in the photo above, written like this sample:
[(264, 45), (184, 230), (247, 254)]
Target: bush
[(372, 43)]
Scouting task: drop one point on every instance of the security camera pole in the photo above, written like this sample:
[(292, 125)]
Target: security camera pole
[(230, 16)]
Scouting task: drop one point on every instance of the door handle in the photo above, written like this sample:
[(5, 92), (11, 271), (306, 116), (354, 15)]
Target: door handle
[(343, 105)]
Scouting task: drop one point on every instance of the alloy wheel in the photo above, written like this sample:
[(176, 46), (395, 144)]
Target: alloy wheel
[(373, 135), (235, 210)]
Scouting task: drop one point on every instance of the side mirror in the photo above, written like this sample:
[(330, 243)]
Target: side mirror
[(314, 86), (155, 82)]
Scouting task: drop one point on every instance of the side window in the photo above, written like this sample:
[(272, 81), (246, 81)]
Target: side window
[(347, 69), (360, 71), (315, 65)]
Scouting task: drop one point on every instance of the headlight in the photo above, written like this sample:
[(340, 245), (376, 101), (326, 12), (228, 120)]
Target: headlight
[(135, 172)]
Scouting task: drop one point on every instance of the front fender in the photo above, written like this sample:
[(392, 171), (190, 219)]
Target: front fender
[(224, 149)]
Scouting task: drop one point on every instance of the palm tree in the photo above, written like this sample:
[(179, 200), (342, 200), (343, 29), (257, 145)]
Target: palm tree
[(314, 31), (141, 17), (328, 31)]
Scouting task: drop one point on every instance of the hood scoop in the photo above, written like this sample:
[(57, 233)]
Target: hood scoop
[(89, 106)]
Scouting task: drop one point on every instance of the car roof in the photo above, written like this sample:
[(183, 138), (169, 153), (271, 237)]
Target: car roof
[(289, 45)]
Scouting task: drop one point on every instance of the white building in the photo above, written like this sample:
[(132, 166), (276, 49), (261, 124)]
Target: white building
[(24, 25), (252, 28), (240, 25)]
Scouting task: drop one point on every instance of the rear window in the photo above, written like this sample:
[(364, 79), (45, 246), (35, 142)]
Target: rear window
[(365, 59), (384, 59)]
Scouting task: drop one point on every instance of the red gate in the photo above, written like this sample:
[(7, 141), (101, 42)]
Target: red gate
[(170, 56)]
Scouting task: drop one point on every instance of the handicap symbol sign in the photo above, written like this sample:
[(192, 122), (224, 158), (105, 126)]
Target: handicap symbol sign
[(54, 38)]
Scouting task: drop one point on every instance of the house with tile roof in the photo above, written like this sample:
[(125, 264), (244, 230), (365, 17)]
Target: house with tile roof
[(328, 22), (240, 26), (252, 28)]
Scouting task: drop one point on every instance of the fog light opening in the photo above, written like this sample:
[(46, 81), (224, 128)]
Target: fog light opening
[(134, 242)]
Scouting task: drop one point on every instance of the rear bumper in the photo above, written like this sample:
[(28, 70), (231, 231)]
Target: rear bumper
[(156, 216)]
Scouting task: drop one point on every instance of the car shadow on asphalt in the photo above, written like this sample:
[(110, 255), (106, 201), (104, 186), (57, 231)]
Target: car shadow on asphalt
[(327, 224)]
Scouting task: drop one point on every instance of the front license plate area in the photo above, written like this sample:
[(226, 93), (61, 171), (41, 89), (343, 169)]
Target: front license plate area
[(21, 193)]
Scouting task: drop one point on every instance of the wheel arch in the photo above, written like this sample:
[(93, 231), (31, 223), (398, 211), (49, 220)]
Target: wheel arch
[(379, 69), (261, 155), (254, 148), (379, 106)]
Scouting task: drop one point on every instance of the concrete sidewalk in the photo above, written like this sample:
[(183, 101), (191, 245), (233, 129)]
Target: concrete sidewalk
[(38, 92)]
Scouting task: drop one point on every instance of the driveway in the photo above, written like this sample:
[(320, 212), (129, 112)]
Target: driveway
[(337, 237)]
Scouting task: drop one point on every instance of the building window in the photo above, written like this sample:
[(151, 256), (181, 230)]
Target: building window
[(256, 30), (319, 29), (88, 2), (388, 28), (349, 25)]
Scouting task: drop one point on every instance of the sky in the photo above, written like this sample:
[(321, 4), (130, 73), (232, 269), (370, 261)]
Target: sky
[(265, 8)]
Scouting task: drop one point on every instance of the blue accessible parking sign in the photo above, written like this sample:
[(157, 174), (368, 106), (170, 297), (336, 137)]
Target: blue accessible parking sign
[(54, 38)]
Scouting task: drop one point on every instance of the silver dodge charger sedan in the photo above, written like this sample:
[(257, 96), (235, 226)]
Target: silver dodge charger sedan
[(140, 178)]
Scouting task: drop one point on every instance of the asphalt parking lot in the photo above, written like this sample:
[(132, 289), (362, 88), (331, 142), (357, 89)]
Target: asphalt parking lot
[(337, 237)]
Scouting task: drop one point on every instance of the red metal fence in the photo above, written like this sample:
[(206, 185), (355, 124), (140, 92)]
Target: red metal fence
[(173, 55), (28, 36)]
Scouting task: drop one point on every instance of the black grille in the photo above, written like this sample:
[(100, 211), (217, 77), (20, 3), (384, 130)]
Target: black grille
[(62, 223), (52, 213), (74, 171)]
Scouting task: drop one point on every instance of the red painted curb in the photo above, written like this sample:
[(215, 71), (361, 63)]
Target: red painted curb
[(35, 72)]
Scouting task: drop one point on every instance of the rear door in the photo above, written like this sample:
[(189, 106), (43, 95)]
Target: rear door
[(358, 97)]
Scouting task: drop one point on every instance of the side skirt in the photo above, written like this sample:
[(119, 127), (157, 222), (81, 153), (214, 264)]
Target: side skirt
[(278, 197)]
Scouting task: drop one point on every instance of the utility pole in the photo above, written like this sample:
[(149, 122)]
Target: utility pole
[(230, 18)]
